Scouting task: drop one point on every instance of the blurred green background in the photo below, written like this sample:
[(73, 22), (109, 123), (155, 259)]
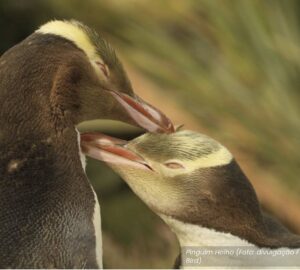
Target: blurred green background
[(233, 65)]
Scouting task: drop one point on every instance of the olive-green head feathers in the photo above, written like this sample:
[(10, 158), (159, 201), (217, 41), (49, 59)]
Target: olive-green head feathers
[(190, 150)]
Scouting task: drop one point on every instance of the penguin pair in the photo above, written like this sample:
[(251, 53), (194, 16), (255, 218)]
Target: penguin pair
[(61, 75), (195, 185)]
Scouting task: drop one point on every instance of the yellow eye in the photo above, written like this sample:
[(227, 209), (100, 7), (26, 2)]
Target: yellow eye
[(174, 165)]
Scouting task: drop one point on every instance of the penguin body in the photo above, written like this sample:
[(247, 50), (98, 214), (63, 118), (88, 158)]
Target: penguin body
[(195, 185), (38, 175), (59, 76), (40, 203)]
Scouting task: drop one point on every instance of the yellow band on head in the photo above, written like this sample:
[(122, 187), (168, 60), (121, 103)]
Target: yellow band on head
[(72, 31)]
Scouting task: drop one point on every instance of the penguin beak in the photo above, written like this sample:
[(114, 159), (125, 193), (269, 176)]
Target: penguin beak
[(144, 114), (110, 150)]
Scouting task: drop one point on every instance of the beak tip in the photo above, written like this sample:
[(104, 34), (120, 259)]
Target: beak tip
[(144, 114)]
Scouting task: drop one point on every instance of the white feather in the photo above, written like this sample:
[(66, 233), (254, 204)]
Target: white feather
[(97, 213), (190, 235)]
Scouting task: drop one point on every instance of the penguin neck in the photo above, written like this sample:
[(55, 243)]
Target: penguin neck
[(196, 235), (233, 207), (226, 219)]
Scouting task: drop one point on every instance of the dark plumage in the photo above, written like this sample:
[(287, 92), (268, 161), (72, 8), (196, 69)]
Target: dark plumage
[(49, 83)]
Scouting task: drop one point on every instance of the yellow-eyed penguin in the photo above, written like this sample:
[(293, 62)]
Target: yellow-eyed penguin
[(195, 185), (61, 75)]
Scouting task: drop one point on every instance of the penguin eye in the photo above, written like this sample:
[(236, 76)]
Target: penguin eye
[(174, 165), (103, 68)]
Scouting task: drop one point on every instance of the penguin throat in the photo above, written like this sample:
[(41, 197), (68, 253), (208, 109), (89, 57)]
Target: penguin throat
[(192, 236), (195, 235)]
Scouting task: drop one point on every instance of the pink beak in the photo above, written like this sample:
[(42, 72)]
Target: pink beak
[(144, 114), (110, 150)]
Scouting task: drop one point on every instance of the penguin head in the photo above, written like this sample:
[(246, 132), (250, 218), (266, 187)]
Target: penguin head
[(185, 175), (92, 84), (162, 168)]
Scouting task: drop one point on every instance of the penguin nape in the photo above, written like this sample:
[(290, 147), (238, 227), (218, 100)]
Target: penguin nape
[(195, 185), (61, 75)]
